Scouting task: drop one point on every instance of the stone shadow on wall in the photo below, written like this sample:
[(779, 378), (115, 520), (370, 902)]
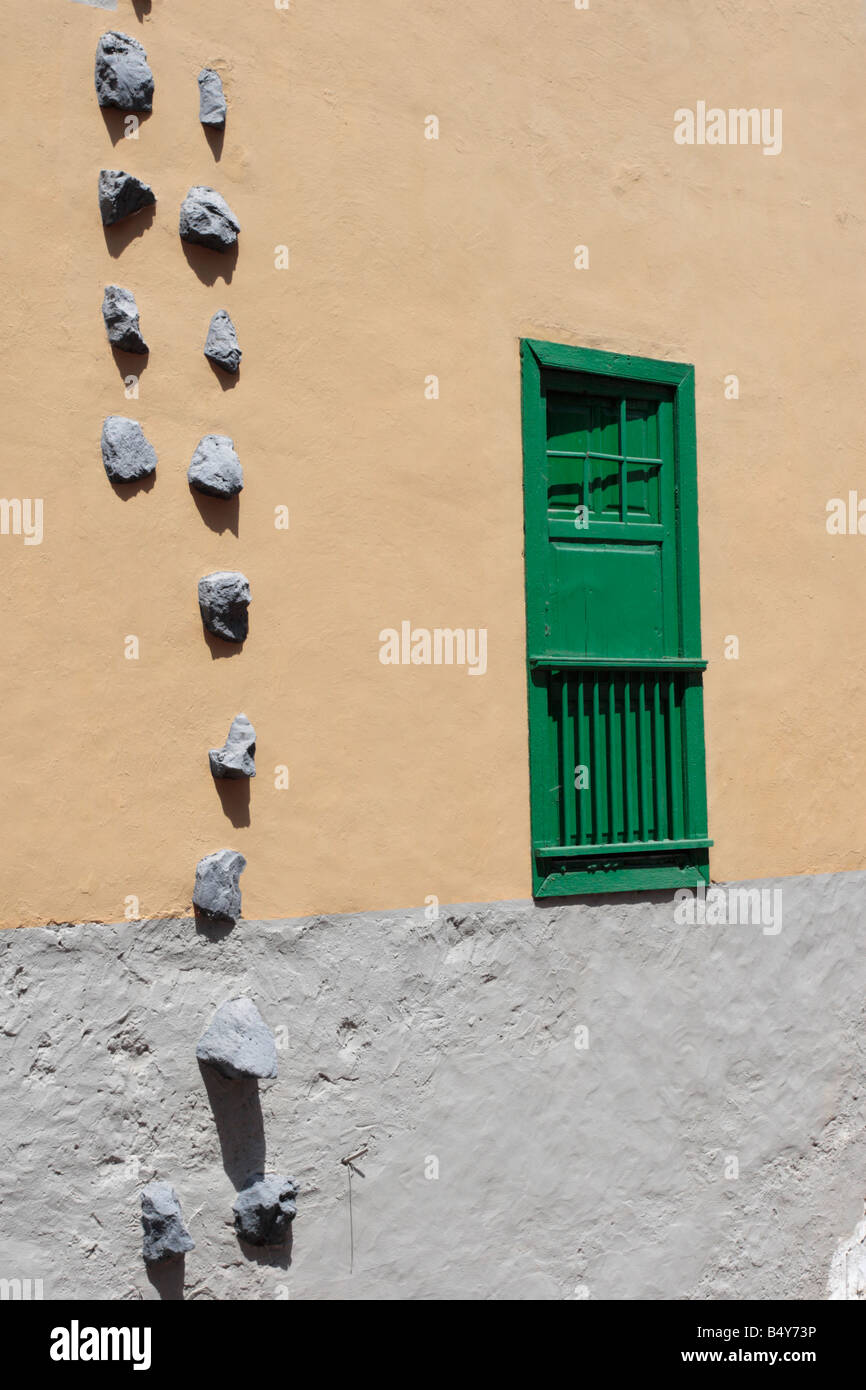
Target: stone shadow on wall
[(130, 363), (119, 235), (274, 1256), (210, 929), (218, 513), (220, 649), (115, 121), (227, 380), (234, 793), (240, 1125), (215, 135), (209, 265), (167, 1277), (126, 490)]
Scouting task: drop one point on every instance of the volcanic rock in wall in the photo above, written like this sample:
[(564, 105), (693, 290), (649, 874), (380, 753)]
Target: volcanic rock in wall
[(265, 1209), (215, 468), (224, 598), (126, 454), (121, 195), (238, 1042), (217, 892), (211, 98), (165, 1235), (120, 313), (221, 344), (236, 758), (207, 220), (123, 78)]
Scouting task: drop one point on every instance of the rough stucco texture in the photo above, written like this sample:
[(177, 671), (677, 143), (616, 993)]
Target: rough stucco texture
[(563, 1173), (412, 257)]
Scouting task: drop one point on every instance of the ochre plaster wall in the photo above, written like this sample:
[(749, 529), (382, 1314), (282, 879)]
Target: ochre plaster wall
[(411, 257)]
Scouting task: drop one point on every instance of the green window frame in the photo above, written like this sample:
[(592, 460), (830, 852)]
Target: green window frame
[(614, 665)]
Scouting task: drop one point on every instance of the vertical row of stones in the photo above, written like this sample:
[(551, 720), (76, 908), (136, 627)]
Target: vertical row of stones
[(238, 1043), (207, 220), (124, 81)]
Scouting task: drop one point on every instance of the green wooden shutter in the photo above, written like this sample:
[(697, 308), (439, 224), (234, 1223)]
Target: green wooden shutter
[(616, 739)]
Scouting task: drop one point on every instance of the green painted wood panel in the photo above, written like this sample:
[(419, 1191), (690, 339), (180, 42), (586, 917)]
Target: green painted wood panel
[(613, 621)]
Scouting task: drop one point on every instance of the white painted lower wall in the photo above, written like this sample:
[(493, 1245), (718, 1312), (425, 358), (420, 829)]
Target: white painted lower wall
[(586, 1100)]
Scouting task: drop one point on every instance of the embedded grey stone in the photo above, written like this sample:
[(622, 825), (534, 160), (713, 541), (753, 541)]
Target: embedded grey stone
[(123, 78), (120, 312), (207, 220), (265, 1209), (236, 758), (238, 1042), (216, 468), (217, 892), (223, 598), (121, 195), (211, 99), (165, 1235), (221, 344), (126, 453)]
